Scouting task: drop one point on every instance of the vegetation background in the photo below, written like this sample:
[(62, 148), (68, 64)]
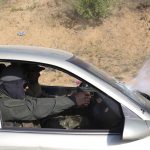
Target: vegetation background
[(117, 40)]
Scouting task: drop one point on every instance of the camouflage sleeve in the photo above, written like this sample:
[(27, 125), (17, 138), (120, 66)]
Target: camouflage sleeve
[(43, 107), (33, 108)]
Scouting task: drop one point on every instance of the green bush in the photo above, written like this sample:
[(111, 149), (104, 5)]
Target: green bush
[(93, 9), (3, 2)]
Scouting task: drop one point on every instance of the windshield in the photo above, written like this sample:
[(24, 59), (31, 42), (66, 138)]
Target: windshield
[(134, 95)]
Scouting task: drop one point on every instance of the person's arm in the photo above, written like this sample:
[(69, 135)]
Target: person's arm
[(37, 108), (49, 106)]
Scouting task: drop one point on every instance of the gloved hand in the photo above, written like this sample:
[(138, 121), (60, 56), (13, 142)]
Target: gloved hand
[(82, 98)]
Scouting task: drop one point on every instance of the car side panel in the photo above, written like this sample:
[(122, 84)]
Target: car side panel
[(57, 141)]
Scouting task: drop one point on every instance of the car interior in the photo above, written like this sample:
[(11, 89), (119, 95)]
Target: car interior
[(102, 113)]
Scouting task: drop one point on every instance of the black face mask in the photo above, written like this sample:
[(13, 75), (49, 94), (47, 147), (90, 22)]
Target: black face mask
[(14, 89)]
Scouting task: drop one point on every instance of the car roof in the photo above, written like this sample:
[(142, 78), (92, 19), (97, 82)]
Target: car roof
[(16, 52)]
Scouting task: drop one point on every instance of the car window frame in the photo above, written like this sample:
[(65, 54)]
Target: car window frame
[(65, 71)]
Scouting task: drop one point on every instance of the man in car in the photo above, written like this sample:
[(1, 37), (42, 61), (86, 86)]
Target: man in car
[(15, 105), (32, 86)]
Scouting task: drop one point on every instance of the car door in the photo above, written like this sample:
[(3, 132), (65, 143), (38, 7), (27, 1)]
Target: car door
[(20, 138), (55, 139), (134, 133)]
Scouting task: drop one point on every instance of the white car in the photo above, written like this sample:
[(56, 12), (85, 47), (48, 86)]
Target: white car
[(121, 123)]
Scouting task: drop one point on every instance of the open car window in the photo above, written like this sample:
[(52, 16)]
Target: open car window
[(55, 77), (102, 113)]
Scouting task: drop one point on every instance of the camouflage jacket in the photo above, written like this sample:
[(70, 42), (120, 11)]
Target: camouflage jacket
[(32, 108)]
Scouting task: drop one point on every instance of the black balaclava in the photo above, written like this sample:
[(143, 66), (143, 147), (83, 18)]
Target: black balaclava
[(12, 82)]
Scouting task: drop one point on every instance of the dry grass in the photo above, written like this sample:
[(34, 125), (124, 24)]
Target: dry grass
[(119, 45)]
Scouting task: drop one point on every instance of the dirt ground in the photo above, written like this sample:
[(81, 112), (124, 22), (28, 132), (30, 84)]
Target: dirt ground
[(119, 44)]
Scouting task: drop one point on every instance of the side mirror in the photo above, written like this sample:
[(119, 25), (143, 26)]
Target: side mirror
[(135, 129)]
